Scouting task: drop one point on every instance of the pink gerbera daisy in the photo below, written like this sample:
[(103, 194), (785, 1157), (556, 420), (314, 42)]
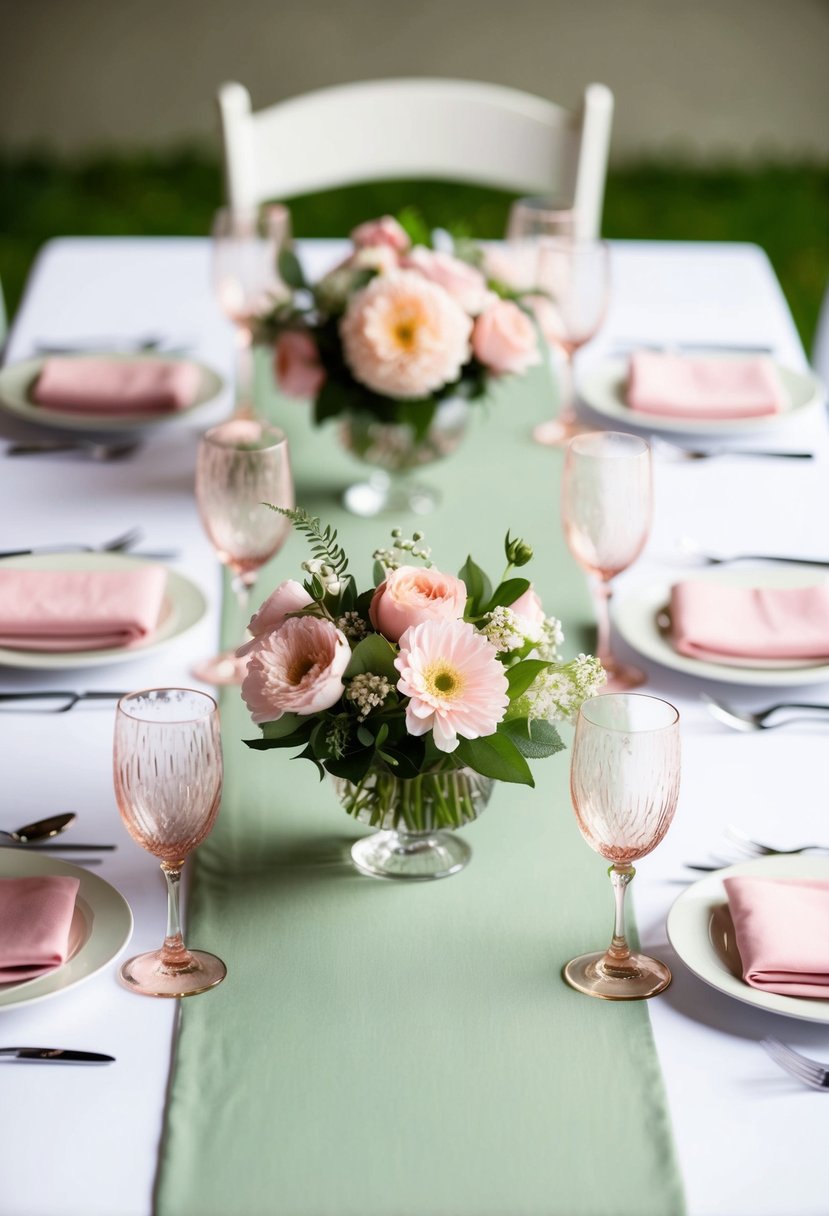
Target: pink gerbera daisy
[(456, 684)]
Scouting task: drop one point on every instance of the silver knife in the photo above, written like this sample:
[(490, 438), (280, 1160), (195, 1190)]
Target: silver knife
[(66, 697), (55, 1055)]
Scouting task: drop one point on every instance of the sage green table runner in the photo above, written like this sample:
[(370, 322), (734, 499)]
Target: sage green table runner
[(384, 1049)]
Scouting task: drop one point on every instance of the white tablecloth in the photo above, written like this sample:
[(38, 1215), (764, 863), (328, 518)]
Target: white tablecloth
[(83, 1141)]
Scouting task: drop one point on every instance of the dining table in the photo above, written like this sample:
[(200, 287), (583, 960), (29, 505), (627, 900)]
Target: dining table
[(384, 1047)]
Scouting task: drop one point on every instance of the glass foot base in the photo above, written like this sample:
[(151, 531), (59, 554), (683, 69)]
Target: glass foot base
[(382, 495), (642, 977), (415, 856), (621, 677), (147, 974), (223, 668), (557, 432)]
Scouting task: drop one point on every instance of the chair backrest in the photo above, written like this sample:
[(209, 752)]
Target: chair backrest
[(453, 130), (820, 344)]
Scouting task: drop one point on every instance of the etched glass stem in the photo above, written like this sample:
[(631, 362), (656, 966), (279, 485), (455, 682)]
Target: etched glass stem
[(618, 952), (603, 593), (174, 954), (243, 405)]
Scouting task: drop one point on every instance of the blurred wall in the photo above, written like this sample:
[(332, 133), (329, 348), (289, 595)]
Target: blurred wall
[(706, 79)]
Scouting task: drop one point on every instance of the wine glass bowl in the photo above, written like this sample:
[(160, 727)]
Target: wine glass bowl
[(242, 465), (624, 785), (167, 770), (573, 282), (606, 512)]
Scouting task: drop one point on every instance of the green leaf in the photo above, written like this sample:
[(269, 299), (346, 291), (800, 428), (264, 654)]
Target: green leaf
[(478, 586), (521, 676), (353, 767), (308, 754), (507, 593), (415, 227), (534, 738), (376, 655), (330, 401), (497, 757), (286, 725), (378, 573), (290, 270)]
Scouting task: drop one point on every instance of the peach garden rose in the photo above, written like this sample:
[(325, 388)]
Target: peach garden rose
[(504, 339), (411, 595)]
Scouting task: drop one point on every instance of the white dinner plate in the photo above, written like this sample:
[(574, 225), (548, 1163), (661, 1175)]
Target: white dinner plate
[(638, 617), (18, 379), (183, 607), (604, 390), (701, 933), (101, 926)]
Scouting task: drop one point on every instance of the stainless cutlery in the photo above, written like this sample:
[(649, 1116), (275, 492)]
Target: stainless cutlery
[(685, 453), (54, 702), (764, 719), (55, 1055), (733, 348), (118, 544), (96, 451), (755, 848), (802, 1068), (42, 829), (111, 345), (692, 549)]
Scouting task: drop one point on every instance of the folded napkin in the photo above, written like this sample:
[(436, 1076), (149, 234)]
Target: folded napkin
[(781, 926), (116, 386), (717, 621), (35, 918), (679, 386), (79, 609)]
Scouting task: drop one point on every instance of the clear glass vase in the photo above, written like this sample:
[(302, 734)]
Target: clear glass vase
[(397, 454), (413, 817)]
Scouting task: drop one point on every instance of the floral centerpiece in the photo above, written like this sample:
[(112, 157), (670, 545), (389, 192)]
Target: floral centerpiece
[(415, 694), (396, 340)]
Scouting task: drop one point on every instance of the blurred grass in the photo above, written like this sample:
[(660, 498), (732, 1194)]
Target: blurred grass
[(783, 208)]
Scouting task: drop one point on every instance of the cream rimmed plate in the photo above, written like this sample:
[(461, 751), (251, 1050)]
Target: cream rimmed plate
[(604, 390), (701, 933), (183, 607), (101, 926), (640, 618), (18, 379)]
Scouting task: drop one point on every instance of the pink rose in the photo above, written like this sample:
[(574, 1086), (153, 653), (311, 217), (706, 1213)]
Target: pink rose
[(529, 607), (411, 595), (504, 339), (299, 372), (466, 285), (289, 596), (297, 669), (383, 231)]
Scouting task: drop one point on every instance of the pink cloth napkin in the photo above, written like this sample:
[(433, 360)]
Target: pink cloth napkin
[(678, 386), (35, 918), (116, 386), (781, 926), (717, 621), (79, 610)]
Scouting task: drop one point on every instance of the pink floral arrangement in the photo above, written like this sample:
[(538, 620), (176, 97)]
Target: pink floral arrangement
[(397, 327), (422, 672)]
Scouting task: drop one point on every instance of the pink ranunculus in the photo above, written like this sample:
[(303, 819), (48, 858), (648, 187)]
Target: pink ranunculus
[(296, 669), (299, 372), (405, 337), (456, 684), (289, 596), (382, 231), (466, 285), (411, 595), (504, 339), (529, 607)]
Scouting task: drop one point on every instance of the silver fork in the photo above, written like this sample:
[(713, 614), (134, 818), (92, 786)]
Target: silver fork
[(683, 453), (118, 544), (94, 450), (755, 848), (802, 1068), (743, 719), (692, 549)]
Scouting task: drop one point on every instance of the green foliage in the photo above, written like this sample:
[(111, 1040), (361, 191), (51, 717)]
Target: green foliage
[(323, 540)]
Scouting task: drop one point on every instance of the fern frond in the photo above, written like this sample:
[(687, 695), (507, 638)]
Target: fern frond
[(323, 540)]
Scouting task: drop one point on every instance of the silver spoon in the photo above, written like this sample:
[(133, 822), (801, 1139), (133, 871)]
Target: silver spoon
[(42, 829)]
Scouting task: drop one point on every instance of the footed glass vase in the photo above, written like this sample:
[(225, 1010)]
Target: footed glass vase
[(414, 816), (397, 454)]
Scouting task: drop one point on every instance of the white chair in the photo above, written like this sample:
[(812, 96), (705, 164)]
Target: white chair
[(820, 345), (453, 130)]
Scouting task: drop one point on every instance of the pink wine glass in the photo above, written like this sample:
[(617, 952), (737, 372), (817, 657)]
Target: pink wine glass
[(241, 466), (246, 245), (606, 510), (624, 782), (167, 761), (573, 279)]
